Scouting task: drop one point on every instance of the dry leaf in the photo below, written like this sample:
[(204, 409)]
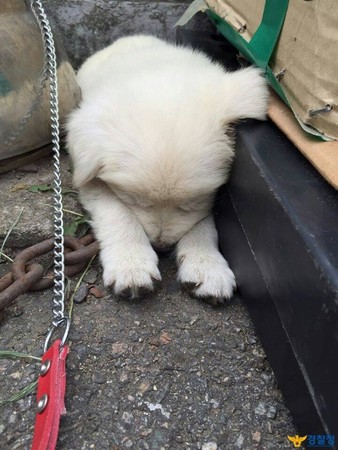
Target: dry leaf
[(165, 338)]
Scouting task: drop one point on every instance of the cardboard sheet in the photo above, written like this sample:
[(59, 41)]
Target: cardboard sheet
[(323, 155), (305, 56)]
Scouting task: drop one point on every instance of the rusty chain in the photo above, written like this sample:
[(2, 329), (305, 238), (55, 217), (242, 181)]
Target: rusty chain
[(28, 276)]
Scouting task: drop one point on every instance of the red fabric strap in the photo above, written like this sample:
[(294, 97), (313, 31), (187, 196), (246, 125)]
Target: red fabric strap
[(52, 384)]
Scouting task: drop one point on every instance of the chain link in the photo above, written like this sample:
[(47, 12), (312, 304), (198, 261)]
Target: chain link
[(59, 317), (27, 275)]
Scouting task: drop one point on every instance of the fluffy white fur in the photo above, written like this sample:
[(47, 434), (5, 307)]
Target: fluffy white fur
[(150, 149)]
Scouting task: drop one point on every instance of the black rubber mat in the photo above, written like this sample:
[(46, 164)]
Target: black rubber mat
[(277, 220)]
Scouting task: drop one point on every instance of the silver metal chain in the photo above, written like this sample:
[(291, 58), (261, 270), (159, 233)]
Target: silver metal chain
[(59, 317)]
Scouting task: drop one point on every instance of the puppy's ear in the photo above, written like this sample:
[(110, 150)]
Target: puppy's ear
[(82, 149), (244, 94)]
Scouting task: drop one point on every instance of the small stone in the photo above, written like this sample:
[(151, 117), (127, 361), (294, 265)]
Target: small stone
[(158, 406), (260, 409), (12, 418), (127, 443), (137, 323), (17, 312), (215, 403), (98, 377), (146, 433), (81, 350), (16, 375), (258, 353), (2, 428), (154, 342), (91, 276), (272, 412), (256, 436), (133, 336), (96, 292), (161, 393), (81, 293), (209, 446), (119, 348), (24, 404), (266, 377), (123, 377), (193, 320), (143, 387), (127, 417), (239, 441), (252, 340)]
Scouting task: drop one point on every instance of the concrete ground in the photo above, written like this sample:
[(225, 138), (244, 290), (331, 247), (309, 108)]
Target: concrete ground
[(167, 372)]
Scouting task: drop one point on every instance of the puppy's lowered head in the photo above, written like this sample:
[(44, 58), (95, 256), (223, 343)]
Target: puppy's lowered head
[(162, 147)]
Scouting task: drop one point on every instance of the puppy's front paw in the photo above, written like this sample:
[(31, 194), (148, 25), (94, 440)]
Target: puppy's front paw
[(130, 272), (207, 276)]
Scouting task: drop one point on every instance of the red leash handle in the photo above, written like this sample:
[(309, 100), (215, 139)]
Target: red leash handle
[(50, 397)]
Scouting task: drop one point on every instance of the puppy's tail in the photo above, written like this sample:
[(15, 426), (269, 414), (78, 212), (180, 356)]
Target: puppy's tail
[(245, 95)]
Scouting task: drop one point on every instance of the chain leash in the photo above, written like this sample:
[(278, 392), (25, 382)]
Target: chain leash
[(59, 317)]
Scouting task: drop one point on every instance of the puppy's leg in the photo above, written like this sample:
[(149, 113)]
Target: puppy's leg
[(128, 259), (202, 268)]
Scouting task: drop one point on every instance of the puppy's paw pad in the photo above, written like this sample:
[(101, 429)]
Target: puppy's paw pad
[(207, 277), (132, 279), (133, 292)]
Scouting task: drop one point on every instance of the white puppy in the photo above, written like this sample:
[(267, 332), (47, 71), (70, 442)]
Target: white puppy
[(150, 149)]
